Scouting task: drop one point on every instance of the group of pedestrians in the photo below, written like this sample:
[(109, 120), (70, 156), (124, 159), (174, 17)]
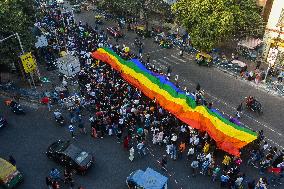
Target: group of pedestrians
[(136, 122)]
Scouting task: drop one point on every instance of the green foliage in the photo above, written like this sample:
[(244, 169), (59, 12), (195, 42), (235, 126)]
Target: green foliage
[(16, 16), (210, 22)]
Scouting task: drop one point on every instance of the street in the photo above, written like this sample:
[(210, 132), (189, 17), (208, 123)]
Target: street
[(27, 137), (226, 92)]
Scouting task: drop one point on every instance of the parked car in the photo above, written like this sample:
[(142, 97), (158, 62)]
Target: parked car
[(114, 31), (10, 177), (70, 156), (3, 121)]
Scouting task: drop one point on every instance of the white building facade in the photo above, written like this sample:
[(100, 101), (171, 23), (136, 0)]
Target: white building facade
[(273, 51)]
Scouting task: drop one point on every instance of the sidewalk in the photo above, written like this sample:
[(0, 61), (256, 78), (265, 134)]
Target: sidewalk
[(272, 86)]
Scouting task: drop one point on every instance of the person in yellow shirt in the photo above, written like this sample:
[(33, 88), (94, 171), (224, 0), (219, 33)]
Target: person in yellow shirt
[(226, 161), (206, 148)]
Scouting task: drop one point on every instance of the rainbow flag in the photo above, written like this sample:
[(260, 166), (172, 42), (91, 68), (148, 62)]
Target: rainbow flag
[(228, 136)]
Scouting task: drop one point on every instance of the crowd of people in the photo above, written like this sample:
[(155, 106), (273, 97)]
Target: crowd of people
[(120, 110)]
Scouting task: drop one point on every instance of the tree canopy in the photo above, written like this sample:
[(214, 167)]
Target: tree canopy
[(16, 16), (210, 22)]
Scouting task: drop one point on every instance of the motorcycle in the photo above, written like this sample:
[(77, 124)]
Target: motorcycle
[(58, 118), (15, 107), (253, 105)]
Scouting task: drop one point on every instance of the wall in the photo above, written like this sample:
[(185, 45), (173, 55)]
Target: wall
[(274, 35)]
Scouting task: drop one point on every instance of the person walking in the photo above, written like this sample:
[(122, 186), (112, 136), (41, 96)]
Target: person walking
[(131, 154), (71, 130), (126, 143), (169, 71), (224, 180), (181, 149), (67, 176), (226, 162), (140, 51), (148, 58), (239, 110), (72, 183), (82, 128), (215, 173), (94, 130), (48, 182), (54, 174), (163, 162), (205, 166), (119, 135), (55, 185), (141, 148), (49, 104), (190, 153), (194, 166)]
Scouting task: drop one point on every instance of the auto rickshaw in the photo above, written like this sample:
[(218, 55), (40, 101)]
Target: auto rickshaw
[(164, 43), (146, 180), (9, 175), (203, 59), (141, 31), (99, 19)]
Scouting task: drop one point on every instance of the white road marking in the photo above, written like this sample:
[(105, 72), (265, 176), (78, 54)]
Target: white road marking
[(178, 58), (234, 109), (253, 119), (174, 62), (154, 51), (164, 62), (160, 64), (246, 115)]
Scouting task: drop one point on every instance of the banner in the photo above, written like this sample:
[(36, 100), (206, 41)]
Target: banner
[(228, 136), (28, 62)]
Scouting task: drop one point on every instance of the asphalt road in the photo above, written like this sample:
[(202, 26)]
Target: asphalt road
[(27, 137), (225, 91)]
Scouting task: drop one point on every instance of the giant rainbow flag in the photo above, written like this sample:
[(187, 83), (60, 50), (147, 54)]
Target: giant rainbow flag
[(228, 136)]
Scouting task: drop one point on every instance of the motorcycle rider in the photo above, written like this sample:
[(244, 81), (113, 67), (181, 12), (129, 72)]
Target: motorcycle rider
[(250, 100)]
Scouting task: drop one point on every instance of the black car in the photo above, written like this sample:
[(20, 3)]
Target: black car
[(3, 122), (70, 156)]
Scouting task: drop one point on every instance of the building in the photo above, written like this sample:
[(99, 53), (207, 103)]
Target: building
[(273, 51)]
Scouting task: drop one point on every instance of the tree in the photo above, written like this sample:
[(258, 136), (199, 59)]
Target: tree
[(16, 16), (209, 22)]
